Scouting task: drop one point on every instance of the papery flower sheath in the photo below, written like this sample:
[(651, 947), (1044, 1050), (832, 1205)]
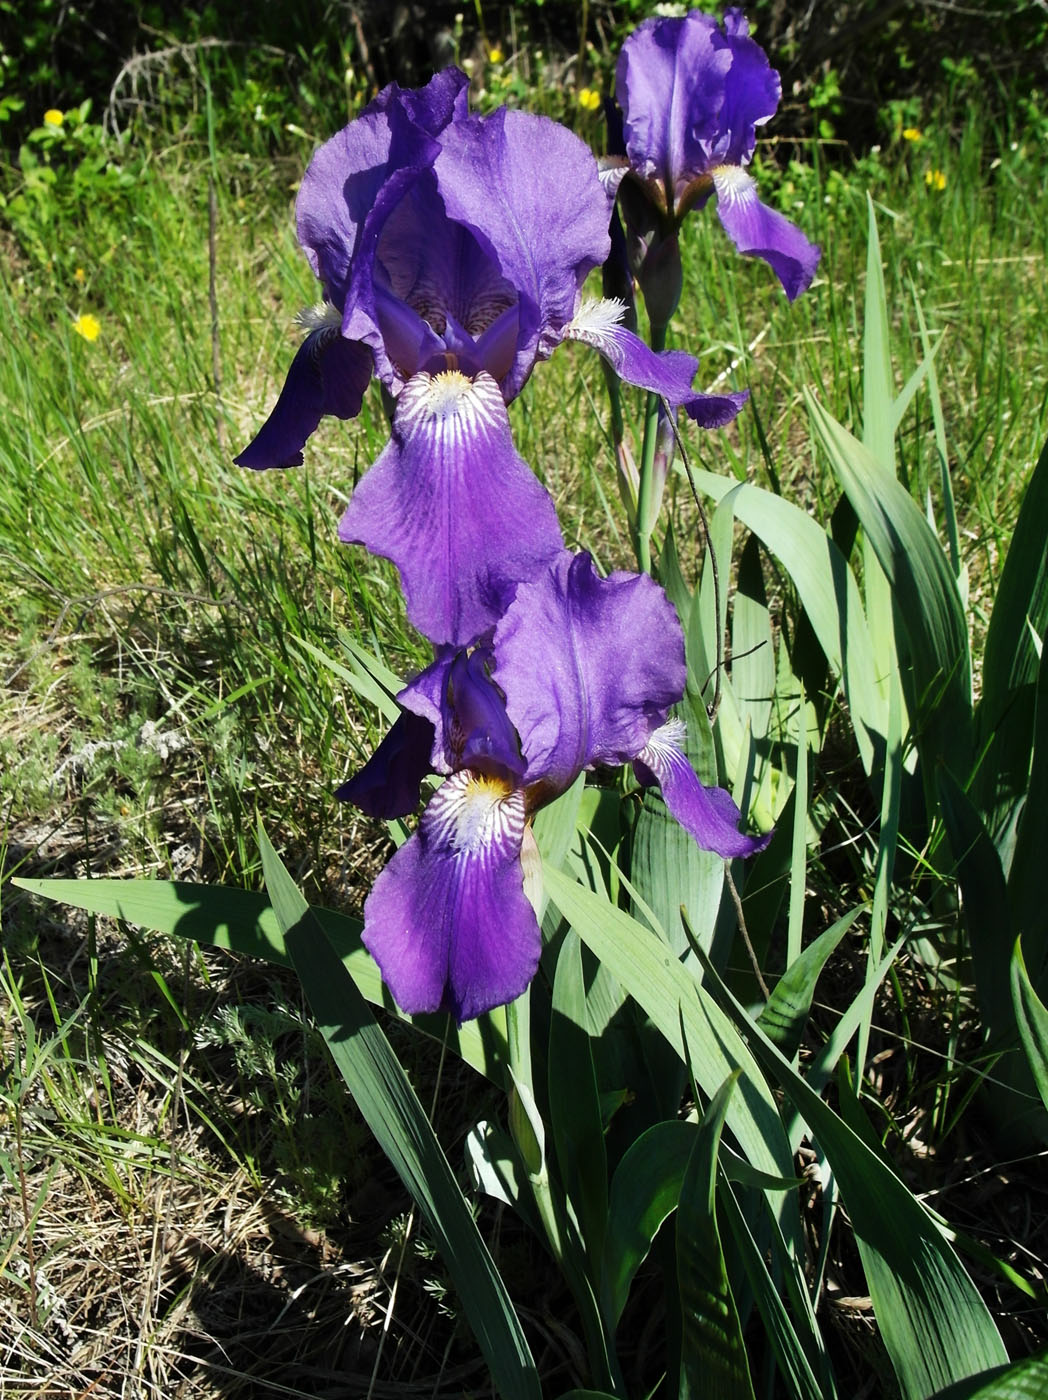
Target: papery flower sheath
[(452, 250), (692, 94), (580, 672)]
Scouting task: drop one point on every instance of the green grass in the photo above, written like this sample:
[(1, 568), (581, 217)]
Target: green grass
[(156, 702)]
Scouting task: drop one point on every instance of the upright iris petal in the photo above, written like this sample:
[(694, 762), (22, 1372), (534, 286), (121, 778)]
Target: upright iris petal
[(580, 673), (692, 95), (530, 192), (589, 666)]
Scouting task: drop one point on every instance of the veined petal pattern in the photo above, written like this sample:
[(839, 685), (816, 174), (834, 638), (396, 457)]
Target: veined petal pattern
[(454, 506), (447, 920)]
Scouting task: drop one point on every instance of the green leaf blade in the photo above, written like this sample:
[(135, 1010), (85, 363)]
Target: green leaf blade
[(388, 1103), (713, 1356)]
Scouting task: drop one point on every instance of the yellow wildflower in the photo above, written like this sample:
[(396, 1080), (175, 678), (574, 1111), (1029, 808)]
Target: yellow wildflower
[(495, 54), (911, 133), (53, 117), (88, 326), (935, 179), (589, 99), (80, 275)]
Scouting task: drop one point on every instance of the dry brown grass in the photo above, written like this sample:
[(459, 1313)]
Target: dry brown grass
[(149, 1243)]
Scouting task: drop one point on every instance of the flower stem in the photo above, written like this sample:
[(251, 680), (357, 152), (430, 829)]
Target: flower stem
[(647, 475)]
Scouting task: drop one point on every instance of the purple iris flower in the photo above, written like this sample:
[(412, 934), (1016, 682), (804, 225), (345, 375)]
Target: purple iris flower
[(452, 250), (691, 95), (580, 671)]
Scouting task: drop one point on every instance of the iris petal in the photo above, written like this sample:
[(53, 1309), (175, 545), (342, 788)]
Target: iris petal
[(670, 85), (447, 920), (389, 783), (762, 232), (706, 813), (392, 137), (529, 191), (438, 267), (328, 375), (752, 90), (589, 667), (478, 734), (452, 504), (668, 373)]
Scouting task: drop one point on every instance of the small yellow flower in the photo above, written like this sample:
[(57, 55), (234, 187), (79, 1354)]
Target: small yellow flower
[(911, 133), (53, 117), (88, 326), (495, 54), (935, 179), (80, 275), (589, 99)]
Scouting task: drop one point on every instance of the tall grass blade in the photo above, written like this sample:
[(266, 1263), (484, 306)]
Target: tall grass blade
[(878, 391), (713, 1355), (1005, 714), (574, 1104), (1026, 875), (243, 921), (1031, 1016), (878, 435), (799, 837), (644, 1192), (785, 1014), (663, 988), (1023, 1380), (381, 1091), (887, 841), (828, 594), (805, 1379), (935, 1325), (924, 593), (984, 901), (939, 422), (360, 679)]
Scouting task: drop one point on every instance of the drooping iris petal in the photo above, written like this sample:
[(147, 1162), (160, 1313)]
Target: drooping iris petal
[(528, 190), (669, 82), (389, 783), (391, 141), (707, 814), (447, 920), (452, 504), (328, 375), (668, 373), (762, 232), (589, 667)]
